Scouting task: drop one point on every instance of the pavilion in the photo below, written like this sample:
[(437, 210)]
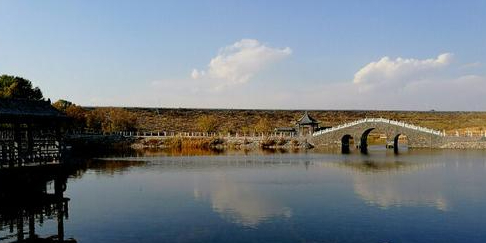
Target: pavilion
[(306, 125), (30, 132)]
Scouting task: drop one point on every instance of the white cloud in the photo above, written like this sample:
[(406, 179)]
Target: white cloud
[(239, 62), (399, 72), (401, 84), (409, 84)]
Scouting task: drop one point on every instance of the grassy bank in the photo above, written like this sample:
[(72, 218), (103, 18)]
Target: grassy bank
[(219, 143)]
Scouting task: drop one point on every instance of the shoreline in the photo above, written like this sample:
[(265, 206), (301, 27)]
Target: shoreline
[(101, 143)]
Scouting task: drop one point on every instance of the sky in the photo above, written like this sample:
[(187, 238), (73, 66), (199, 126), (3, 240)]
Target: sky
[(387, 55)]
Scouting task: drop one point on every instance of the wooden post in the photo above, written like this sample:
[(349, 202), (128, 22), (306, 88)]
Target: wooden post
[(11, 226), (58, 187), (60, 221), (31, 225), (17, 144), (58, 142), (30, 143), (20, 226), (4, 154)]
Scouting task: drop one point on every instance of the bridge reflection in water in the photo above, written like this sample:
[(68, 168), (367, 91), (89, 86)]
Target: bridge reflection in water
[(25, 202)]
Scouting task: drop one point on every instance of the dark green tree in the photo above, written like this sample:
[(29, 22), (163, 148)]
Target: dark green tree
[(18, 87)]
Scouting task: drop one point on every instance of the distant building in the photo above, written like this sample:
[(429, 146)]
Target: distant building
[(306, 125)]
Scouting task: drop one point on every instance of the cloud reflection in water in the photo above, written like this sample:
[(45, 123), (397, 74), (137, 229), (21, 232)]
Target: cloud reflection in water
[(239, 203), (395, 184)]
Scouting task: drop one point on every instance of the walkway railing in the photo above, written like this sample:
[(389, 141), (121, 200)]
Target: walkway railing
[(162, 134), (381, 120)]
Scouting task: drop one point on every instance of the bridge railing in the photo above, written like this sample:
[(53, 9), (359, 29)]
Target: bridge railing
[(381, 120)]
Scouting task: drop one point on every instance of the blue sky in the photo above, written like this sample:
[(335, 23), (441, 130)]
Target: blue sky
[(251, 54)]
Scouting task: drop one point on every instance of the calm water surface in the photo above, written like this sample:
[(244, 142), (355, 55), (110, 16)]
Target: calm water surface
[(416, 196)]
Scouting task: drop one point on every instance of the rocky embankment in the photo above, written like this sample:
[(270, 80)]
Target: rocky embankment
[(464, 143)]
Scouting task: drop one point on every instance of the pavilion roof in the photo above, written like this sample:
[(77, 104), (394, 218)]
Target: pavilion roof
[(23, 108), (306, 120)]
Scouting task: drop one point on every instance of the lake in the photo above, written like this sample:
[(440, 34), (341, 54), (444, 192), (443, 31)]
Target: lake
[(415, 196)]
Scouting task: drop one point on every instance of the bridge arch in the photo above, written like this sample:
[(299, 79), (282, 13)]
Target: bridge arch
[(345, 143), (396, 141), (363, 146)]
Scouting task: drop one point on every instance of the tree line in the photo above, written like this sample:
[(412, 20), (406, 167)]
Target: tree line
[(96, 119), (107, 119)]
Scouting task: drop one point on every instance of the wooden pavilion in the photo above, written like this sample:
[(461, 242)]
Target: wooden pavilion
[(30, 132)]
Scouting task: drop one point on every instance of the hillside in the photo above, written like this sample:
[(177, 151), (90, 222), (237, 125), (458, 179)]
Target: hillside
[(236, 120)]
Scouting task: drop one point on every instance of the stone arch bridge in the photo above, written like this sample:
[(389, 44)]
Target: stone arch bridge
[(418, 137)]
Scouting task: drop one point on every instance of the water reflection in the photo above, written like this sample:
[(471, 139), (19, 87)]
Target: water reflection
[(238, 202), (28, 204), (111, 167), (400, 189), (259, 197), (192, 152), (388, 181), (413, 180), (385, 180)]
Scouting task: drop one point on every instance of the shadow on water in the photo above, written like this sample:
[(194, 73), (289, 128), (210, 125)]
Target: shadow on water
[(374, 166), (26, 202), (154, 152)]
